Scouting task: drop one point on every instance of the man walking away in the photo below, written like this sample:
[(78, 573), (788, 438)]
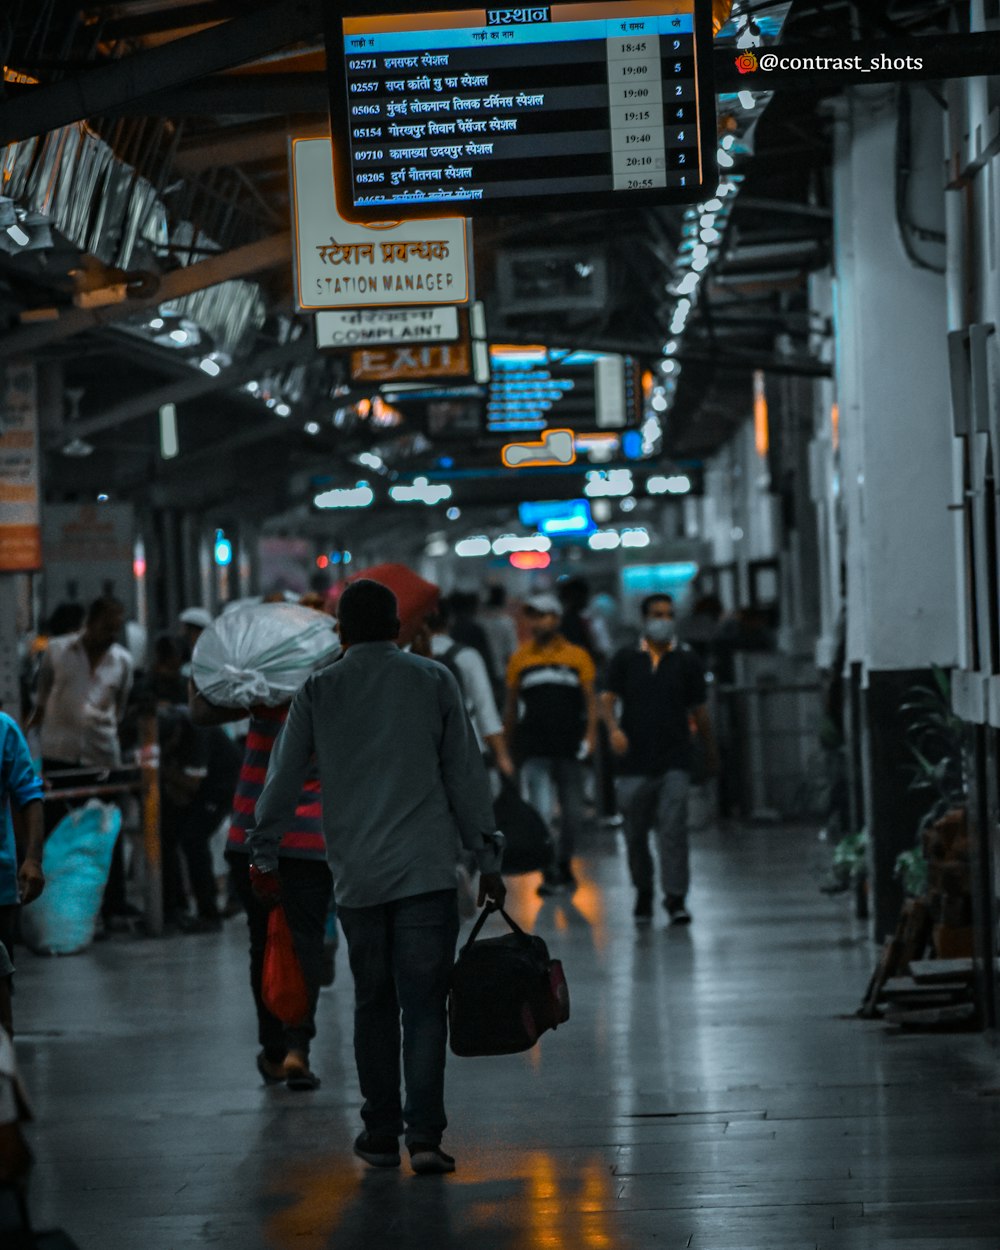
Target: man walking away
[(398, 758), (652, 693), (550, 720)]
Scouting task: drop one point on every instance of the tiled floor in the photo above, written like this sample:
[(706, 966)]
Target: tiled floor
[(711, 1091)]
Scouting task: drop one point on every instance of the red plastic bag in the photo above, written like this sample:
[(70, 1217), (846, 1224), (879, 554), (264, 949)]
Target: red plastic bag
[(283, 987)]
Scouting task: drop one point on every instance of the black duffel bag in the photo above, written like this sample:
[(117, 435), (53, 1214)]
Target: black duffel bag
[(505, 992), (528, 845)]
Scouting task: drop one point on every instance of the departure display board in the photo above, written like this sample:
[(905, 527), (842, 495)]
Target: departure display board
[(537, 388), (499, 110)]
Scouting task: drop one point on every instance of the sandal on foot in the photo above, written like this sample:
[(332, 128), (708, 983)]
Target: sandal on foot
[(272, 1072)]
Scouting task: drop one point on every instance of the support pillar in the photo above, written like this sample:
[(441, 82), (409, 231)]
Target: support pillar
[(895, 429)]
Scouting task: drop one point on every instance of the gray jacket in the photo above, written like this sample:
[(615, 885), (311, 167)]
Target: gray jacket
[(402, 779)]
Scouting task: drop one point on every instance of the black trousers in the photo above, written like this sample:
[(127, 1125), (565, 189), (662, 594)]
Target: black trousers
[(187, 831), (8, 927), (306, 890)]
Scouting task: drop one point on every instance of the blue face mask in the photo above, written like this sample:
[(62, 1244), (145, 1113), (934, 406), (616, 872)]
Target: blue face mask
[(660, 630)]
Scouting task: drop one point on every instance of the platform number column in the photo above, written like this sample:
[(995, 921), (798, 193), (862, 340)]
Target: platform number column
[(635, 92)]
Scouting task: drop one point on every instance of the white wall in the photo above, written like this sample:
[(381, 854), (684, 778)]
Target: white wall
[(892, 382)]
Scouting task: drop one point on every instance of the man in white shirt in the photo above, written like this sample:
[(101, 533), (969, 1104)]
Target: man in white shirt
[(83, 688), (470, 670)]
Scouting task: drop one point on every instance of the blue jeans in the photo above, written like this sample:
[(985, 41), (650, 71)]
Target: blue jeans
[(401, 955), (542, 779)]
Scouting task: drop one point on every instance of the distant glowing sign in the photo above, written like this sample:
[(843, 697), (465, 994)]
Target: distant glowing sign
[(555, 447), (570, 518), (411, 363)]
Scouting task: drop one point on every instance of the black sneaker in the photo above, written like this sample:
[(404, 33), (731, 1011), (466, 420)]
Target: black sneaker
[(643, 910), (427, 1159), (379, 1151), (565, 878), (678, 913)]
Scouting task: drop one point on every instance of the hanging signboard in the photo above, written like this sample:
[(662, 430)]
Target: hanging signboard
[(340, 264), (364, 326), (499, 110), (412, 364), (89, 551), (20, 521)]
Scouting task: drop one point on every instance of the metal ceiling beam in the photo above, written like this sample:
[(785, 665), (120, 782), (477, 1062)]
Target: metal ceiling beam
[(233, 95), (169, 17), (181, 390), (241, 146), (37, 109), (755, 203), (238, 263)]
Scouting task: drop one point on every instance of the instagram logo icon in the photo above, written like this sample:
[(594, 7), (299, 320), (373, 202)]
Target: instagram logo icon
[(747, 62)]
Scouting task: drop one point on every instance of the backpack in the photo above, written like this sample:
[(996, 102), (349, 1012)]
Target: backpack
[(450, 660), (505, 992)]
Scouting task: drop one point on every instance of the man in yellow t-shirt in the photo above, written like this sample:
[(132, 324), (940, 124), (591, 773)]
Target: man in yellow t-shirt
[(550, 722)]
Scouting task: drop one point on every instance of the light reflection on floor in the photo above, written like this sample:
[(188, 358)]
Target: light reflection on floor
[(544, 1203)]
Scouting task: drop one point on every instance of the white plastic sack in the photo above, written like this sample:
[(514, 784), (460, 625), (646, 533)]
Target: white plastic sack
[(262, 654), (76, 862)]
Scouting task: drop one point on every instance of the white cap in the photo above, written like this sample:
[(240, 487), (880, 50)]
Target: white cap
[(544, 602), (200, 617)]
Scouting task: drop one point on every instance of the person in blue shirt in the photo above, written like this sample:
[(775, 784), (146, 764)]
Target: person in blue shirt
[(20, 790)]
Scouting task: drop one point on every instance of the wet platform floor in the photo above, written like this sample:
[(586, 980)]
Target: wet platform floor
[(711, 1092)]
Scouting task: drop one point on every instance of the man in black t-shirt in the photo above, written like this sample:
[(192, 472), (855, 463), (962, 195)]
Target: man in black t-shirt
[(651, 696)]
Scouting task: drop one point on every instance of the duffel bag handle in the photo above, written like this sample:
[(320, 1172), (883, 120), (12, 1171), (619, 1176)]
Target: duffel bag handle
[(484, 916)]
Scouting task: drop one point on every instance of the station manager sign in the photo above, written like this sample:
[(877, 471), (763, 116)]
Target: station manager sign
[(341, 264)]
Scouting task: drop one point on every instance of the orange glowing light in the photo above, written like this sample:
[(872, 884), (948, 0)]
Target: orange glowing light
[(647, 383), (721, 13), (530, 559), (835, 425), (761, 428), (322, 562)]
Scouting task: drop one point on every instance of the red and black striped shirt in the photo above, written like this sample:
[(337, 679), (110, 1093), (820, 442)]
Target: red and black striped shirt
[(304, 840)]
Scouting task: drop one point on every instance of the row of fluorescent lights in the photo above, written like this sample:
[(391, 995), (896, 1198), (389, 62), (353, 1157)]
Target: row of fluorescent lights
[(361, 494), (478, 546), (600, 484), (619, 483), (703, 230)]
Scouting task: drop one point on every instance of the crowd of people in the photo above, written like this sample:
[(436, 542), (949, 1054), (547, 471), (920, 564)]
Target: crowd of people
[(319, 807)]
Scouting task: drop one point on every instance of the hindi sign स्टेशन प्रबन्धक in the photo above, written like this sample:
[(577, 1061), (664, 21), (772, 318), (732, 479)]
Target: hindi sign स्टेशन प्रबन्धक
[(341, 264)]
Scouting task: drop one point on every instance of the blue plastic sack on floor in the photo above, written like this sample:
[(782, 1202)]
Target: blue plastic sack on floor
[(76, 862)]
